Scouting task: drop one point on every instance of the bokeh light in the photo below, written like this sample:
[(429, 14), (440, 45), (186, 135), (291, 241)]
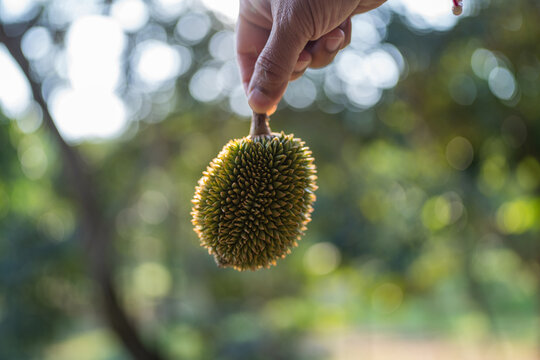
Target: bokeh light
[(381, 69), (153, 207), (502, 83), (12, 11), (84, 114), (132, 15), (36, 43), (226, 11), (436, 213), (459, 153), (483, 62), (168, 10), (14, 88), (31, 119), (222, 45), (426, 14), (193, 27), (33, 160), (322, 258), (238, 102), (301, 93), (152, 280), (203, 85), (155, 62), (94, 45), (387, 298), (518, 216)]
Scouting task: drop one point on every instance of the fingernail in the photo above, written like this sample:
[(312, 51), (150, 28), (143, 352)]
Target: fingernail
[(272, 110), (332, 44), (246, 85), (258, 101)]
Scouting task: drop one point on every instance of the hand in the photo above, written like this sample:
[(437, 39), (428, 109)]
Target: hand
[(277, 40)]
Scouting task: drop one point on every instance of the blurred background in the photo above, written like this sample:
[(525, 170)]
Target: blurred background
[(424, 242)]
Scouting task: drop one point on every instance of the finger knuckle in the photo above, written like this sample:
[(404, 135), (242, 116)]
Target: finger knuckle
[(297, 16), (271, 70)]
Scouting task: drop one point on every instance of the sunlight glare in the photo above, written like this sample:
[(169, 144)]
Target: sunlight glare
[(193, 27), (14, 89), (381, 69), (350, 67), (502, 83), (226, 11), (132, 15), (426, 14), (363, 96), (238, 102), (94, 45), (156, 62), (81, 114), (364, 33), (205, 85), (301, 93), (168, 10), (37, 43), (15, 10)]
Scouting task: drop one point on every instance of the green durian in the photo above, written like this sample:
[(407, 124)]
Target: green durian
[(255, 198)]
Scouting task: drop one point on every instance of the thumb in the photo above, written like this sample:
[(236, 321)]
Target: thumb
[(274, 67)]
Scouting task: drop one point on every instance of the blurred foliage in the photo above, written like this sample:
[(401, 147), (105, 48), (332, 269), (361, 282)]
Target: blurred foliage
[(426, 222)]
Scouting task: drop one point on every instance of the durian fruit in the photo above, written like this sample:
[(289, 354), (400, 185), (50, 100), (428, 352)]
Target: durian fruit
[(255, 198)]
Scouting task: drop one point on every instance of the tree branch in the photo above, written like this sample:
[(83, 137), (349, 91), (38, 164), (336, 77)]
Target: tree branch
[(96, 233)]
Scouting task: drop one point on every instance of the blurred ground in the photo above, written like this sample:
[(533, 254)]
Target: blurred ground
[(367, 346)]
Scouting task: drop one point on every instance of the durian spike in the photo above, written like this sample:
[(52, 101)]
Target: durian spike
[(259, 125)]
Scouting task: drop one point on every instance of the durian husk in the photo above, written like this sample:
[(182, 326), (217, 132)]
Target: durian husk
[(255, 198)]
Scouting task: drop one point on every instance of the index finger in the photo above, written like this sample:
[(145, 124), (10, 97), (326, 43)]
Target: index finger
[(250, 40)]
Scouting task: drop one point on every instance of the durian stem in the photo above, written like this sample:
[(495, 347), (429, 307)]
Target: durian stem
[(259, 125)]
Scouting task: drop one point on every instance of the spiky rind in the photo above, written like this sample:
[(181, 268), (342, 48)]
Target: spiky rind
[(254, 200)]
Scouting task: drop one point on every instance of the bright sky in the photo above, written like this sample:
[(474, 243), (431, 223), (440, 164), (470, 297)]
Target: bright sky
[(14, 89), (87, 106), (426, 14)]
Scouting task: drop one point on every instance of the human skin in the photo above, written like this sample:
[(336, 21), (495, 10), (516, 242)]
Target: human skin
[(277, 40)]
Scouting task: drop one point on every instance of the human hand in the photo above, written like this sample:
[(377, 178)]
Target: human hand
[(277, 40)]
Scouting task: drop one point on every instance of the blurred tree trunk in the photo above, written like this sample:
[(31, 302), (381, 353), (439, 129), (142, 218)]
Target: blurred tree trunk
[(96, 233)]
